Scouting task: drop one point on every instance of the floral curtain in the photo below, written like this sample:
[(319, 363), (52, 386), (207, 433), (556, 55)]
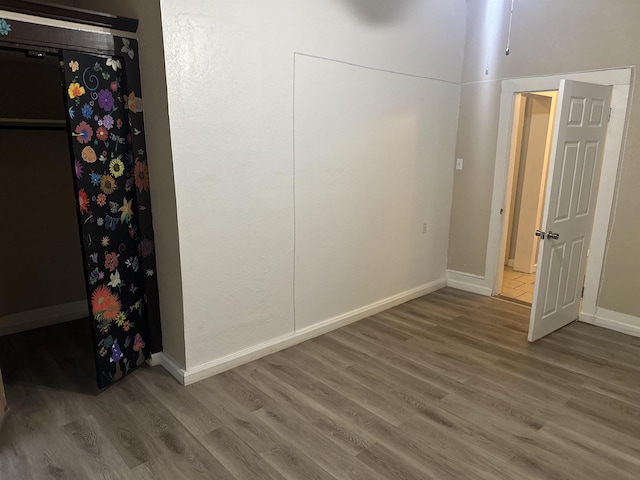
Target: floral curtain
[(129, 48), (114, 210)]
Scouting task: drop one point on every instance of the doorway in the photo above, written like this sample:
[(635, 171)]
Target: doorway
[(532, 135), (620, 80)]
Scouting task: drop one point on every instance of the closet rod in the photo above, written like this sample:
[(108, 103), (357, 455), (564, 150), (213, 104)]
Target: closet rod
[(32, 124)]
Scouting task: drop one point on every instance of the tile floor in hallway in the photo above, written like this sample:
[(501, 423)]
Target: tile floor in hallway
[(518, 285)]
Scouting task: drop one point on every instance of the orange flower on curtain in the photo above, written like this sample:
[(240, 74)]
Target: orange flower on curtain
[(105, 304)]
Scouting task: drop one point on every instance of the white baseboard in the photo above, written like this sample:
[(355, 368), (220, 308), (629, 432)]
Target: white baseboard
[(43, 317), (468, 282), (169, 364), (200, 372), (620, 322)]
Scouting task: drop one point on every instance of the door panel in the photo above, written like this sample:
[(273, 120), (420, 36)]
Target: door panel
[(573, 270), (569, 162), (585, 192), (574, 172), (554, 271)]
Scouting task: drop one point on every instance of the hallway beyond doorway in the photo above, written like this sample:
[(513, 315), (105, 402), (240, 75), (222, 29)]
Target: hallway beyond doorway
[(518, 286)]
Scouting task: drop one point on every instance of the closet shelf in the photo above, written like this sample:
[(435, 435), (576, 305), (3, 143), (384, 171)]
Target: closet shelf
[(41, 123)]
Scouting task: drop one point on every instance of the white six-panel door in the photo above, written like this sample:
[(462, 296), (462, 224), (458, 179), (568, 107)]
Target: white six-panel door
[(572, 187)]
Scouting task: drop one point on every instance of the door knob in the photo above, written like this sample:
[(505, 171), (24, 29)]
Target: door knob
[(553, 236), (540, 233)]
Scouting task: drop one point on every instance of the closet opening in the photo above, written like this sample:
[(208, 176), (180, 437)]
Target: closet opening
[(80, 238), (43, 298)]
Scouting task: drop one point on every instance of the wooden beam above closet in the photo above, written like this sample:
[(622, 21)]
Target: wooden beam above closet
[(70, 14)]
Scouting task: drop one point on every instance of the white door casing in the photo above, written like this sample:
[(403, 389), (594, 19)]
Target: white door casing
[(574, 174), (490, 281)]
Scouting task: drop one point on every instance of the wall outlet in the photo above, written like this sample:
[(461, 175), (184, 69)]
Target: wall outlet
[(459, 163), (424, 227)]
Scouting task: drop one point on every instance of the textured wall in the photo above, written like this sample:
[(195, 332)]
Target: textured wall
[(230, 87), (369, 173)]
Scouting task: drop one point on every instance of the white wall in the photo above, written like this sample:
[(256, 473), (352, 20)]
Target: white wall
[(230, 90), (371, 150)]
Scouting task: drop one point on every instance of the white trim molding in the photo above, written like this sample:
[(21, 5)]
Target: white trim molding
[(620, 322), (469, 282), (169, 364), (43, 317), (219, 365)]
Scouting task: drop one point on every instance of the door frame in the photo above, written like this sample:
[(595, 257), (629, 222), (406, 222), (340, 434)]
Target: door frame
[(620, 78)]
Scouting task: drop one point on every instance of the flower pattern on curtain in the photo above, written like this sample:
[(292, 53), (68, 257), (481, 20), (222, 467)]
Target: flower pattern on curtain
[(110, 179), (135, 110)]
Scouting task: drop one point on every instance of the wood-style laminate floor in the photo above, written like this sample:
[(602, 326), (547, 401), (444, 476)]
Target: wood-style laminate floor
[(442, 387)]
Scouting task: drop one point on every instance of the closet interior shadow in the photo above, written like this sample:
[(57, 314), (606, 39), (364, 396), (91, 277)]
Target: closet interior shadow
[(45, 336)]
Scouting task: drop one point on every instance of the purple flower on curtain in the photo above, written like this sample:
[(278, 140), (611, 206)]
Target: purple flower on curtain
[(116, 353), (93, 276), (110, 223), (105, 100), (106, 122), (78, 167), (84, 133)]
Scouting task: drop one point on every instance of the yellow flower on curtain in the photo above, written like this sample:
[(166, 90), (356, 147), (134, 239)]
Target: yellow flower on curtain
[(116, 167), (75, 90), (127, 213), (108, 184)]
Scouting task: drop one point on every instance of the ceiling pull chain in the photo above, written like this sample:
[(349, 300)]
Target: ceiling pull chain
[(492, 6), (507, 51)]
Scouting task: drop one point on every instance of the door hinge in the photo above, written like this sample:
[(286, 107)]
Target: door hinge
[(609, 116), (582, 293)]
